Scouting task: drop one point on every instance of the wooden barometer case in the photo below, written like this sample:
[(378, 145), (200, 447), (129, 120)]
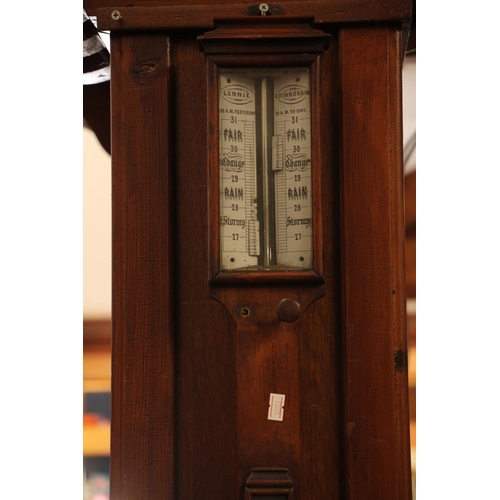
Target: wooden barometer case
[(259, 347), (265, 225)]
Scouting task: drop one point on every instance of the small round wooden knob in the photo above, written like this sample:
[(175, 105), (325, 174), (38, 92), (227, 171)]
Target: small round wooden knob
[(288, 310)]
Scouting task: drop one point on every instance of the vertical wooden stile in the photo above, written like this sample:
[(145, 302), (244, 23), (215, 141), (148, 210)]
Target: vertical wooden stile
[(376, 420), (143, 352)]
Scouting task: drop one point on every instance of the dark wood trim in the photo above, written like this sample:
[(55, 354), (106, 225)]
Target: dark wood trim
[(269, 482), (154, 15), (143, 351), (376, 397)]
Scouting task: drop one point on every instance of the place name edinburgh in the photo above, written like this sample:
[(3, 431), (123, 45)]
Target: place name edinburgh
[(292, 94)]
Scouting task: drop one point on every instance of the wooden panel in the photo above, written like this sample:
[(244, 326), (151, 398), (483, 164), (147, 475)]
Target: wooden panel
[(227, 369), (320, 348), (207, 434), (377, 436), (142, 433), (200, 14)]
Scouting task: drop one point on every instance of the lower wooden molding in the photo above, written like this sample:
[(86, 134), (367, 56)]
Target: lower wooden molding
[(267, 483)]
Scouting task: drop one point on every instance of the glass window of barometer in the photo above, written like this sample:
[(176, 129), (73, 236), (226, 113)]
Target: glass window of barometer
[(265, 169)]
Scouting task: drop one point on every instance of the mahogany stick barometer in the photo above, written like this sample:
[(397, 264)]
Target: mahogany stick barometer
[(258, 242), (264, 106), (264, 101)]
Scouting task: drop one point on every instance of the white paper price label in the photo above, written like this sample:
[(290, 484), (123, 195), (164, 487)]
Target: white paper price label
[(276, 407)]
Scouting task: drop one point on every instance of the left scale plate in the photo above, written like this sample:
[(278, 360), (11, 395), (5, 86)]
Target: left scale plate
[(240, 226)]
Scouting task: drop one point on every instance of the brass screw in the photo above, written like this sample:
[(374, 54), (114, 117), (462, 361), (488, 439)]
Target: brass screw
[(115, 15)]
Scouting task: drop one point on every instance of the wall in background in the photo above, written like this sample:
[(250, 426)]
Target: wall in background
[(96, 229)]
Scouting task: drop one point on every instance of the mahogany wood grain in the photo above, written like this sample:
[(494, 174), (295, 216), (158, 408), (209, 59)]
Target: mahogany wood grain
[(142, 429), (375, 376), (207, 432), (200, 14)]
